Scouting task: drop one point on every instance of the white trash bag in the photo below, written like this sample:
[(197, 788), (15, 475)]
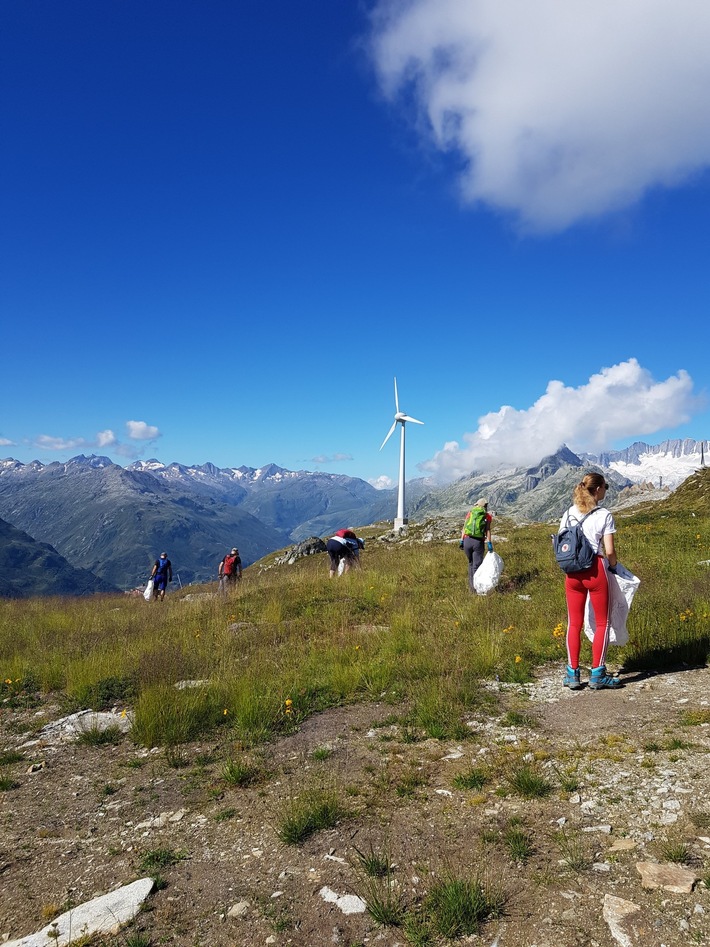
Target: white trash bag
[(488, 574), (148, 594), (622, 588)]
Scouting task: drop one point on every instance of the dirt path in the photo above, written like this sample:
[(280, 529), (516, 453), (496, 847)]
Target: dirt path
[(629, 783)]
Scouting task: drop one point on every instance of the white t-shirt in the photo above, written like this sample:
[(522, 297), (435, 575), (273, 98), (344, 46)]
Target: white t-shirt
[(597, 524)]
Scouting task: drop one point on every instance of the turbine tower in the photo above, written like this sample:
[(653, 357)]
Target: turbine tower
[(399, 418)]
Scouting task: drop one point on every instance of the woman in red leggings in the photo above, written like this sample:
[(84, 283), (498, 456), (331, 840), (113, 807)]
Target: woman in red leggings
[(599, 529)]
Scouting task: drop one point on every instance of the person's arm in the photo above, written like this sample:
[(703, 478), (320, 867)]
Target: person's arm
[(488, 532), (239, 568), (220, 568), (155, 569), (610, 550)]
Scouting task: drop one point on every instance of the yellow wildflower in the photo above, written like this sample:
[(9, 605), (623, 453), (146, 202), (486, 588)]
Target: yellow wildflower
[(518, 659)]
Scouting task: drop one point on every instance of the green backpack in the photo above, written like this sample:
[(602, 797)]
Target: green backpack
[(476, 524)]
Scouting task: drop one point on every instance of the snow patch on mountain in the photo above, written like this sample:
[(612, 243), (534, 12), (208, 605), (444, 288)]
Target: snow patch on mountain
[(664, 465)]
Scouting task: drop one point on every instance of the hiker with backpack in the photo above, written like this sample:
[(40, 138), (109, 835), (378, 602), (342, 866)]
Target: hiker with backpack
[(476, 537), (162, 574), (597, 526), (230, 570)]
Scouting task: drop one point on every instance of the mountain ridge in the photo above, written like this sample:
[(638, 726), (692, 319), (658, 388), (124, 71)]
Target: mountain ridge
[(114, 521)]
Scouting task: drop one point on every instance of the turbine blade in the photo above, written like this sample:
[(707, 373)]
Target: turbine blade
[(407, 418), (389, 435), (396, 398)]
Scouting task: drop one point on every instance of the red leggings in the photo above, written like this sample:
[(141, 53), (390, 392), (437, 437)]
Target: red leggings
[(595, 583)]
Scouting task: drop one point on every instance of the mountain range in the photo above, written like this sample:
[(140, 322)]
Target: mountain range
[(114, 521), (31, 568)]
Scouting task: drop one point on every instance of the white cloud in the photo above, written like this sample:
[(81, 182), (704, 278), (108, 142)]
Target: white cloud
[(4, 442), (47, 442), (382, 483), (106, 438), (560, 111), (331, 459), (618, 402), (140, 431)]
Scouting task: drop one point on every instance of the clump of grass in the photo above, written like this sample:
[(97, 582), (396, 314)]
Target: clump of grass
[(308, 813), (158, 859), (384, 899), (100, 736), (238, 772), (137, 940), (518, 841), (322, 753), (11, 756), (514, 718), (574, 851), (176, 757), (418, 932), (694, 718), (676, 850), (374, 864), (474, 778), (700, 818), (529, 783), (7, 783), (674, 743), (408, 785), (458, 906), (569, 780), (225, 814)]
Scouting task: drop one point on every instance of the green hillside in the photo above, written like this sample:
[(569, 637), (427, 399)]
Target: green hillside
[(403, 626)]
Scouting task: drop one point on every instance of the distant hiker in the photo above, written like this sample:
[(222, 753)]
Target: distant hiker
[(344, 547), (230, 570), (597, 524), (162, 574), (475, 536)]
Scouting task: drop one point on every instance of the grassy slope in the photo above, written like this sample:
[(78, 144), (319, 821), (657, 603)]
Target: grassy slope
[(404, 627)]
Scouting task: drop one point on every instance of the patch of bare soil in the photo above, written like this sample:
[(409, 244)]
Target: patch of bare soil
[(629, 783)]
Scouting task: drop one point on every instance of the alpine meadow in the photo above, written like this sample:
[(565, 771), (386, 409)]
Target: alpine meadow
[(221, 691)]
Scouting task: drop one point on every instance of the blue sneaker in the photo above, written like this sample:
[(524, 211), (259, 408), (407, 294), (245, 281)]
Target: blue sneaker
[(571, 679), (599, 679)]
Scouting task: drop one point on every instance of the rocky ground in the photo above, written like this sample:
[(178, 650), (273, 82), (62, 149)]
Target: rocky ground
[(629, 788)]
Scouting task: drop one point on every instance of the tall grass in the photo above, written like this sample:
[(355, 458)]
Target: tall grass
[(403, 629)]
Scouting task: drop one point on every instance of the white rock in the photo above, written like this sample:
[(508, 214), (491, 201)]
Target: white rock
[(238, 909), (104, 915), (347, 903)]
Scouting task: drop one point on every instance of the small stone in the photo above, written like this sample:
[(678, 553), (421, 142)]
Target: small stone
[(668, 877), (238, 909), (622, 845)]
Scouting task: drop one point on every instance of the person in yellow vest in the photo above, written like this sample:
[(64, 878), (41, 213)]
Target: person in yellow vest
[(475, 536)]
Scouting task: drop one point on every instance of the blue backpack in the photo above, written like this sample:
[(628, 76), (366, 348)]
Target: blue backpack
[(573, 551)]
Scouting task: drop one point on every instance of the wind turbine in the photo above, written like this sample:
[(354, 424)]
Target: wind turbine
[(399, 418)]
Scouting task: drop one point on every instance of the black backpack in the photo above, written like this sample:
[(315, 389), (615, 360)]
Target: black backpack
[(573, 550)]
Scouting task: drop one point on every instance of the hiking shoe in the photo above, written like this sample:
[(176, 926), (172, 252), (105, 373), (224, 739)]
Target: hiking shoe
[(599, 679), (571, 679)]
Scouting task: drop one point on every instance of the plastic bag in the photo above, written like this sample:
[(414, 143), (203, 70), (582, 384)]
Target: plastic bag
[(488, 574), (622, 588), (148, 594)]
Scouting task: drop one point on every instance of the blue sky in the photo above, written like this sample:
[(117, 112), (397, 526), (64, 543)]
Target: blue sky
[(226, 226)]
